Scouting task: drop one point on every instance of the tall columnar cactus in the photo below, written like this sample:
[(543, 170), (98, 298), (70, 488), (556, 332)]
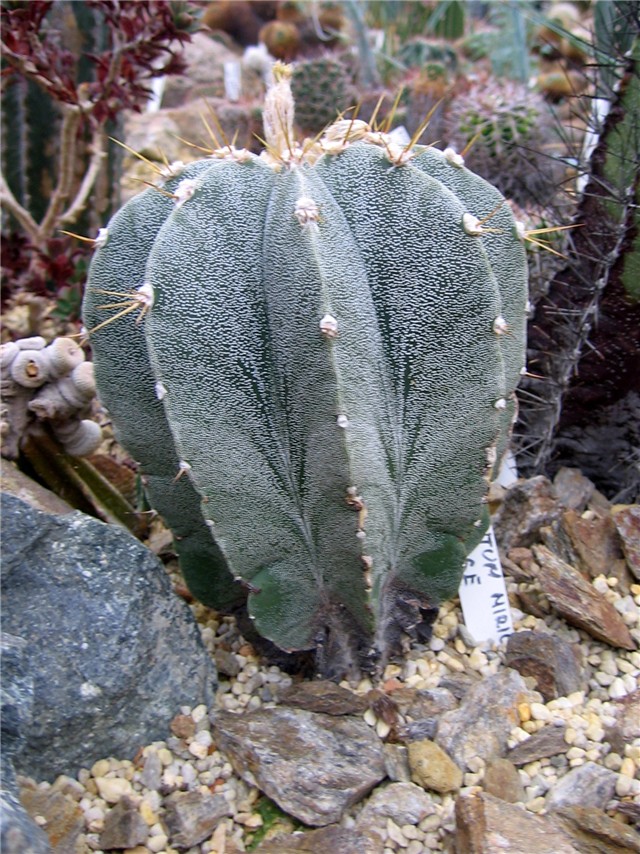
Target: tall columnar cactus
[(315, 365)]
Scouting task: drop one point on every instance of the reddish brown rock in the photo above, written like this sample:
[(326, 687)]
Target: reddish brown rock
[(596, 544), (578, 602), (592, 831), (527, 507), (64, 820), (325, 697), (486, 825), (627, 522), (554, 664), (501, 779)]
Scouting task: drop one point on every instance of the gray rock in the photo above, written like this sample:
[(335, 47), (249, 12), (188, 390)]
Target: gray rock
[(124, 827), (325, 697), (314, 766), (326, 840), (548, 741), (16, 694), (396, 763), (403, 803), (626, 711), (572, 489), (553, 663), (192, 817), (588, 785), (487, 714), (114, 653), (18, 832)]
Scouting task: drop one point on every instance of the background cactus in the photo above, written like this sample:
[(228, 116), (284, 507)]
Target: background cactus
[(322, 89), (320, 379), (511, 137)]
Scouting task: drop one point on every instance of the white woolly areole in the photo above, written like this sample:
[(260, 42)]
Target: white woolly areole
[(521, 231), (145, 295), (306, 211), (160, 390), (452, 157), (329, 326), (500, 326), (501, 403), (101, 238), (184, 191), (342, 421), (472, 224)]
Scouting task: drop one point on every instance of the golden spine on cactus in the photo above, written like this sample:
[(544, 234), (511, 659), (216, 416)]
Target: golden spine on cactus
[(338, 318)]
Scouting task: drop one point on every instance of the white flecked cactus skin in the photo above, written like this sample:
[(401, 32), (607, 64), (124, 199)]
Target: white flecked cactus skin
[(336, 333)]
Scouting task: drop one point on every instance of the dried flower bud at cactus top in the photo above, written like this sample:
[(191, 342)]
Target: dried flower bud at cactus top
[(322, 325)]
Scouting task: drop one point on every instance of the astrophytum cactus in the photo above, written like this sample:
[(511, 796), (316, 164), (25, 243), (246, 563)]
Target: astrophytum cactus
[(313, 354)]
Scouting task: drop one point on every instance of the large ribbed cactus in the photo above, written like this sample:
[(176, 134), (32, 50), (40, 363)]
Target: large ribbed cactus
[(320, 377)]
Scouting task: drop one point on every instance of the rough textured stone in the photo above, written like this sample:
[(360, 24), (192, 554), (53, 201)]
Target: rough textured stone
[(17, 483), (324, 840), (64, 820), (572, 489), (627, 724), (501, 779), (431, 768), (587, 785), (593, 832), (19, 834), (578, 602), (487, 714), (324, 697), (124, 827), (527, 506), (396, 763), (486, 825), (553, 663), (313, 766), (192, 817), (596, 544), (403, 803), (548, 741), (114, 653), (627, 522)]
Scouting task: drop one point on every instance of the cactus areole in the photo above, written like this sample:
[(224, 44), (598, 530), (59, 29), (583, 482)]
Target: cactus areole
[(312, 354)]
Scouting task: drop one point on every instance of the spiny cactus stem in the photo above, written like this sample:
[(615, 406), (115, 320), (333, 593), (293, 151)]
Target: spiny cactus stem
[(55, 215)]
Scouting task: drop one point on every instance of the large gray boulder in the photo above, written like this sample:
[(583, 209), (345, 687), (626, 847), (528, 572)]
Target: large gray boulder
[(19, 834), (113, 651)]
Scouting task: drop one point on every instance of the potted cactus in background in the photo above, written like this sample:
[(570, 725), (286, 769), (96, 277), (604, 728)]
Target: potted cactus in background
[(313, 355)]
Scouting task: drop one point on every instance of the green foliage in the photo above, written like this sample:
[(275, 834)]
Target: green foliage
[(327, 361)]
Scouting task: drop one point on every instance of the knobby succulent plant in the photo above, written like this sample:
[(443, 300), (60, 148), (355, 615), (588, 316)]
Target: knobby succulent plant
[(50, 383), (313, 353)]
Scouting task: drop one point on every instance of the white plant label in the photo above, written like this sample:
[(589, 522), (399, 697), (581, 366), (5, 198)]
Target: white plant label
[(483, 593)]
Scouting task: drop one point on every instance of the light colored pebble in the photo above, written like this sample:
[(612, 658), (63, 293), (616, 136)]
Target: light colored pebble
[(540, 712), (382, 729), (536, 805), (395, 834), (111, 789), (628, 767), (100, 768), (617, 689), (156, 844)]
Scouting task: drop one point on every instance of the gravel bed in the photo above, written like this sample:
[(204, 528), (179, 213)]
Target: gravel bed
[(188, 759)]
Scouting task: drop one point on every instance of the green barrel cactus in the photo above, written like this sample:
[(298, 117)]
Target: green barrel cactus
[(313, 355)]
